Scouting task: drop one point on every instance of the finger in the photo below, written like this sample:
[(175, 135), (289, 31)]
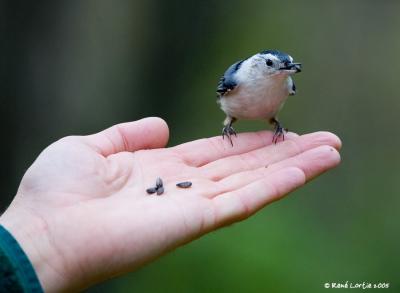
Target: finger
[(241, 203), (200, 152), (244, 201), (147, 133), (268, 155), (312, 162)]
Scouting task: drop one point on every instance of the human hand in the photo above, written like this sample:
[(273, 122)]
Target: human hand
[(82, 213)]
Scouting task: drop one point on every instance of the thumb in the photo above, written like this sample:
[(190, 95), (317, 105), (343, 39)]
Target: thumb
[(147, 133)]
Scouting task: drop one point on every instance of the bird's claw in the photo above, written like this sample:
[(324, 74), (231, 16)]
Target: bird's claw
[(279, 132), (228, 131)]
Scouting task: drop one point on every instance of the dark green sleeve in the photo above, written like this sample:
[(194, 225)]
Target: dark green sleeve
[(16, 271)]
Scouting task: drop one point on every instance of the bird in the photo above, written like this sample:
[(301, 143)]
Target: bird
[(256, 88)]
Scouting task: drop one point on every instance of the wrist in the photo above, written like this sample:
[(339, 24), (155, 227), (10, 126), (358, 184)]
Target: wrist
[(32, 236)]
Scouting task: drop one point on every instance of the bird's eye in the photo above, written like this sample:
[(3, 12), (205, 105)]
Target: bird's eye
[(269, 62)]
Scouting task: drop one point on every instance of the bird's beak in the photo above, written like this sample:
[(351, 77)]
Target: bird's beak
[(292, 67)]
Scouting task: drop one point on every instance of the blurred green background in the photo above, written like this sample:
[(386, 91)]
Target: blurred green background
[(76, 67)]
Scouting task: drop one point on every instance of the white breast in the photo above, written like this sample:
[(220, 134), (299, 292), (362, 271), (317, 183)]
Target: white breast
[(260, 98)]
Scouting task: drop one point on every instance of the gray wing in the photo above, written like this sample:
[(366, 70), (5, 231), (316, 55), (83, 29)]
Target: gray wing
[(228, 82)]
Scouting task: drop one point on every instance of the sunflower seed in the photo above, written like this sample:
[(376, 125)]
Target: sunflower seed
[(160, 190), (185, 184), (151, 190), (159, 182)]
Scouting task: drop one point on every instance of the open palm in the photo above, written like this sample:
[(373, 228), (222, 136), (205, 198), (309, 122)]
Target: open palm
[(86, 196)]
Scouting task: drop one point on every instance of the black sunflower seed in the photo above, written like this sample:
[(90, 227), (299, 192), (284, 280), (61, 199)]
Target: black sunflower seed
[(151, 190), (185, 184), (160, 190), (159, 182)]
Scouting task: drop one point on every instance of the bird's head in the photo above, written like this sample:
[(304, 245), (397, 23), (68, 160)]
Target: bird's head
[(272, 62)]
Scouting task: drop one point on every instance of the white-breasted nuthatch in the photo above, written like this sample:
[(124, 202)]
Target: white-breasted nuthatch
[(257, 88)]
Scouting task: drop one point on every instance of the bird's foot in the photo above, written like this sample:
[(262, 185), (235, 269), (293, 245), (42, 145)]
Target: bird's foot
[(228, 131), (279, 132)]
